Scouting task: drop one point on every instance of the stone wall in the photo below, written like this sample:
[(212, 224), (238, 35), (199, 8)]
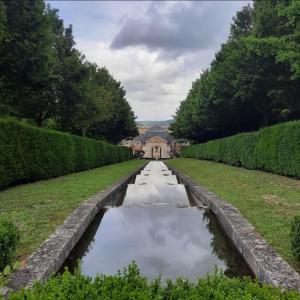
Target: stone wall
[(263, 260), (48, 259)]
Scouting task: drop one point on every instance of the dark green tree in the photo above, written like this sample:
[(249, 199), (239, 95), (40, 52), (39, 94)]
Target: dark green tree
[(116, 119), (242, 23), (45, 79), (4, 106), (71, 76), (2, 20), (253, 80), (25, 60)]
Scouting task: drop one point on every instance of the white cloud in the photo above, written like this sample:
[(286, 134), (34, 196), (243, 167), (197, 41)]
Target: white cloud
[(152, 85), (159, 47)]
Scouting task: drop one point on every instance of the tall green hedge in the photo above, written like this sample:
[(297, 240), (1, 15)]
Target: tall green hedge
[(275, 149), (29, 153)]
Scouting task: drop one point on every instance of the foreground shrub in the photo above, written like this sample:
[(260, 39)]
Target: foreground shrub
[(9, 238), (275, 149), (295, 237), (29, 153), (131, 285)]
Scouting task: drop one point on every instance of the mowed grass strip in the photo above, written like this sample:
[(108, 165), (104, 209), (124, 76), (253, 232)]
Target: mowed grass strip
[(267, 200), (38, 208)]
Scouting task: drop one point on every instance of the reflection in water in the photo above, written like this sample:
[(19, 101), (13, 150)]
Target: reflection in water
[(156, 193), (84, 244), (162, 240), (222, 247), (156, 179)]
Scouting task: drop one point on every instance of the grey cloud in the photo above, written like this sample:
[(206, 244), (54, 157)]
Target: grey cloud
[(142, 86), (183, 27), (165, 45)]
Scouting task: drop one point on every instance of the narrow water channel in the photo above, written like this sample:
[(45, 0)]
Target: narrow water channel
[(158, 228)]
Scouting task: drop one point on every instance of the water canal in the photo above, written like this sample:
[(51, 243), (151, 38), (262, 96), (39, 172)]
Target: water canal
[(158, 227)]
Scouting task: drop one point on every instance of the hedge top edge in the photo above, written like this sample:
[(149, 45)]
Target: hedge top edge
[(29, 153), (274, 149)]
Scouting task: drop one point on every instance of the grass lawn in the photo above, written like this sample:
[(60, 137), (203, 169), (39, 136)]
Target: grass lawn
[(38, 208), (267, 200)]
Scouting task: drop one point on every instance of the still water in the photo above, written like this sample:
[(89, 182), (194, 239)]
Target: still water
[(167, 194), (158, 229), (161, 239)]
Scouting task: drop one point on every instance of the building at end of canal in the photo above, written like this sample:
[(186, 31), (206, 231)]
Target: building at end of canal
[(155, 143)]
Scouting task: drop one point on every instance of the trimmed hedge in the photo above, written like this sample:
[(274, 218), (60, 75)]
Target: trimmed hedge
[(30, 153), (274, 149), (131, 285)]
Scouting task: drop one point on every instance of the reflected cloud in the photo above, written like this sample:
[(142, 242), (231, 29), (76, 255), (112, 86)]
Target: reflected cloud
[(173, 242)]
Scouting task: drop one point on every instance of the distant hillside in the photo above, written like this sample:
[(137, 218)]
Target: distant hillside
[(165, 123)]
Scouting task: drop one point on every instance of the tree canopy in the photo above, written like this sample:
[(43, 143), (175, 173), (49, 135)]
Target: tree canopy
[(254, 80), (45, 80)]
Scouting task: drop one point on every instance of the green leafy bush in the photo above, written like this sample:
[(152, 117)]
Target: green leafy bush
[(131, 285), (7, 271), (30, 153), (9, 238), (275, 149), (295, 237)]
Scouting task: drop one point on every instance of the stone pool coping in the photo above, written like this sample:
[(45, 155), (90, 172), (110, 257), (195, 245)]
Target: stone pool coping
[(264, 261), (51, 255)]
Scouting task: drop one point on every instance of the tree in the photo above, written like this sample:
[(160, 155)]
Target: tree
[(116, 120), (24, 60), (4, 107), (242, 23), (253, 80), (289, 44), (276, 39), (2, 20), (44, 78), (70, 72)]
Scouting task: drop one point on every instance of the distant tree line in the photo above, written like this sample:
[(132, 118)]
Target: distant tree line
[(45, 80), (254, 80)]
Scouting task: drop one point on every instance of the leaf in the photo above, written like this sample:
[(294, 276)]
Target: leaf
[(16, 266), (6, 270)]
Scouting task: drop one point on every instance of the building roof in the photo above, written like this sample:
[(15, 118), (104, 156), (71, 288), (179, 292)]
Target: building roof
[(154, 131)]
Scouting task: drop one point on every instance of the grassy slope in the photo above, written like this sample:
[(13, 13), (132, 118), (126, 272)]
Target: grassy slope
[(267, 200), (38, 208)]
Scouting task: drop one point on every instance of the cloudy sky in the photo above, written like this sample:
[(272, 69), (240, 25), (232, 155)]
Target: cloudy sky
[(156, 49)]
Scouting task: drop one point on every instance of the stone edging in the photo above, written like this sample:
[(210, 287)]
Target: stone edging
[(53, 252), (263, 260)]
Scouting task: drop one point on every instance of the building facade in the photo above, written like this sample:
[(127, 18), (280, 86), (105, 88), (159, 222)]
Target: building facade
[(155, 143), (157, 148)]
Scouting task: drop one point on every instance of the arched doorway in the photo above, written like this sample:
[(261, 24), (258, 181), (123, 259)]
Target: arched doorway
[(156, 152)]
